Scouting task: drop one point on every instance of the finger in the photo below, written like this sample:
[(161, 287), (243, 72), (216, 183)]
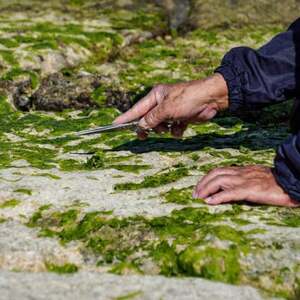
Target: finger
[(207, 114), (218, 183), (142, 134), (162, 128), (237, 194), (178, 128), (138, 110), (214, 173), (154, 117)]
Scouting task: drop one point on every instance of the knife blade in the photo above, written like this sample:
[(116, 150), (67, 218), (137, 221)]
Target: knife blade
[(108, 128)]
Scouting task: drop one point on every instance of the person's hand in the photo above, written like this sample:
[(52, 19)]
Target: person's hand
[(180, 104), (252, 183)]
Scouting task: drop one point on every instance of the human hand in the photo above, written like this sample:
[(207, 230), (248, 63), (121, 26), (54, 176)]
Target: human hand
[(252, 183), (180, 104)]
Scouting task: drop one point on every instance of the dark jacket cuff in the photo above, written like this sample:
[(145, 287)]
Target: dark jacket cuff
[(287, 166), (292, 189)]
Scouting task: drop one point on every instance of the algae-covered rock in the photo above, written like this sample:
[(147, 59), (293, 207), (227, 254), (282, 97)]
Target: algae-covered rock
[(109, 203)]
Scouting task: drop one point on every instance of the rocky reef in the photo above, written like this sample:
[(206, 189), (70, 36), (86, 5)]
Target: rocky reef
[(112, 217)]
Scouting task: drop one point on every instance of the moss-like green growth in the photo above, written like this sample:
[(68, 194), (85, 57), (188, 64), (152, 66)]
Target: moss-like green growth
[(32, 222), (284, 217), (10, 203), (24, 191), (212, 263), (155, 180), (136, 169), (2, 220), (181, 196), (129, 296), (124, 267), (182, 243), (102, 160), (67, 268), (49, 175)]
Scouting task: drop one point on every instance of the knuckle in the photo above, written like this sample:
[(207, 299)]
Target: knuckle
[(159, 89), (159, 86), (221, 178), (150, 118), (165, 111), (216, 172)]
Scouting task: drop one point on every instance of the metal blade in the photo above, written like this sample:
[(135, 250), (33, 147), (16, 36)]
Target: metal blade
[(108, 128)]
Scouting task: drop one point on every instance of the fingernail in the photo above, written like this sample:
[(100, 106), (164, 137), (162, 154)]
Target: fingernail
[(208, 200)]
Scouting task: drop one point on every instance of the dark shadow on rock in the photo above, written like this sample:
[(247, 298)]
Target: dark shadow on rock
[(252, 139)]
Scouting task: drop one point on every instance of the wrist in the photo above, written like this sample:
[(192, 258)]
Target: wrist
[(218, 92)]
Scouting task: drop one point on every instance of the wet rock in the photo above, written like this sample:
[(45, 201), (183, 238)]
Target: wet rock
[(57, 92), (119, 99), (22, 95)]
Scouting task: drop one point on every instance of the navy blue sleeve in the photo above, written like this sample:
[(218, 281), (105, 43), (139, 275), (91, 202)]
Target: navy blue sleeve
[(256, 78), (269, 75), (287, 166)]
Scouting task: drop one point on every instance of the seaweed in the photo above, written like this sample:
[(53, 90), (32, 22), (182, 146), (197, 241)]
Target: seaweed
[(10, 203), (156, 180), (66, 268)]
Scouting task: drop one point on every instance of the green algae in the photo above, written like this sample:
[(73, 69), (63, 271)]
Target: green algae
[(16, 72), (284, 217), (187, 242), (41, 152), (181, 196), (2, 220), (155, 180), (102, 160), (8, 56), (116, 241), (67, 268), (212, 263), (27, 192), (70, 165), (9, 43), (131, 295), (123, 268), (37, 215), (10, 203), (136, 169), (49, 175)]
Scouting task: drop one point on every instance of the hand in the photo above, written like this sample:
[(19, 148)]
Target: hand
[(252, 183), (181, 103)]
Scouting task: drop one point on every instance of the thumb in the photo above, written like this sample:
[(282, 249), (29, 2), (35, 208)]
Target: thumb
[(154, 117)]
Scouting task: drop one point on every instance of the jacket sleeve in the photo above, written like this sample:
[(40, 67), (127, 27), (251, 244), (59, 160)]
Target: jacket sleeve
[(269, 75), (287, 166), (256, 78)]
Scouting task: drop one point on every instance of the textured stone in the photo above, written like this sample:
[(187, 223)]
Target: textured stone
[(86, 285)]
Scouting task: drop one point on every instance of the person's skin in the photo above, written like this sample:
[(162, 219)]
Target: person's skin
[(197, 102)]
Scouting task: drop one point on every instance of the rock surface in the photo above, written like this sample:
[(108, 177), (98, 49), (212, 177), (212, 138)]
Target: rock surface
[(111, 217)]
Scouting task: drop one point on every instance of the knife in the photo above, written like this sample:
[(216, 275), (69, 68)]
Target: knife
[(112, 127)]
